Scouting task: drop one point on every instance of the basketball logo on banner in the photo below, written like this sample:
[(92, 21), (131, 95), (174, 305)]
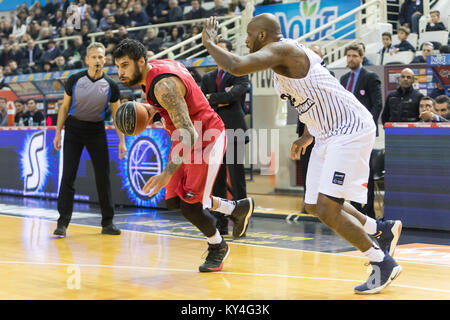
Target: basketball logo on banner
[(144, 162)]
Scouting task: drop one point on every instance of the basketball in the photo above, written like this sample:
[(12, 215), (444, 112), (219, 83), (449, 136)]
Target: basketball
[(132, 118)]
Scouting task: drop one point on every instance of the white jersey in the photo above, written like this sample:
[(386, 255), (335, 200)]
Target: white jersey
[(323, 104)]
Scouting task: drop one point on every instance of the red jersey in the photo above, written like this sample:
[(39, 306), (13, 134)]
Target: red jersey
[(198, 105)]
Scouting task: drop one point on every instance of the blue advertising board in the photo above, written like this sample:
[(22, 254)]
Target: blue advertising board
[(299, 18), (30, 166)]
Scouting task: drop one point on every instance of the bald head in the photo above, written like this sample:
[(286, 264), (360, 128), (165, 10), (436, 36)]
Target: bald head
[(406, 79), (266, 22), (262, 30)]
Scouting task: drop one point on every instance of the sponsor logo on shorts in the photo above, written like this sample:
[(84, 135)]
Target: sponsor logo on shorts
[(338, 178)]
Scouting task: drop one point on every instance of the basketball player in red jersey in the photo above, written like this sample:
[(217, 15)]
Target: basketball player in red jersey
[(193, 162)]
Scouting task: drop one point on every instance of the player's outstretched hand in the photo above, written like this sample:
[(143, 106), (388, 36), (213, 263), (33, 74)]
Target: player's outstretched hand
[(210, 31)]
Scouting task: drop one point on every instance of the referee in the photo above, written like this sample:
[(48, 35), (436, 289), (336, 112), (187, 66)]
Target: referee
[(86, 99)]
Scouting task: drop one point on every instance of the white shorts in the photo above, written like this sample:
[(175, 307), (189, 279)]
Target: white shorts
[(339, 167)]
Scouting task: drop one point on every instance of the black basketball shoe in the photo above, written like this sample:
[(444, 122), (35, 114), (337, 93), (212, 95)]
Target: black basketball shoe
[(241, 216), (217, 253)]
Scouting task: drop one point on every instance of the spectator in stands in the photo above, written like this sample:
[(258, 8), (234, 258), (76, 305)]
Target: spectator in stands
[(3, 112), (138, 17), (444, 49), (33, 117), (20, 112), (218, 10), (109, 41), (427, 49), (111, 22), (38, 14), (85, 34), (90, 22), (175, 12), (6, 28), (49, 8), (103, 24), (426, 108), (57, 20), (122, 18), (197, 11), (402, 105), (241, 4), (442, 107), (14, 68), (122, 33), (151, 41), (172, 39), (366, 62), (410, 13), (60, 64), (161, 11), (31, 54), (75, 54), (5, 54), (109, 61), (196, 29), (50, 54), (34, 29), (435, 24), (45, 34), (19, 29), (46, 67), (386, 38), (404, 45)]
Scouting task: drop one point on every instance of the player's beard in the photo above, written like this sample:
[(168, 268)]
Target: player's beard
[(137, 76)]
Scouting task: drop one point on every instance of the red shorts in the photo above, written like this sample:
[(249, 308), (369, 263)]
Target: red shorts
[(193, 182)]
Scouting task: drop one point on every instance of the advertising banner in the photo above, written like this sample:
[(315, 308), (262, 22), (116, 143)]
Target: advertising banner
[(30, 166), (299, 18)]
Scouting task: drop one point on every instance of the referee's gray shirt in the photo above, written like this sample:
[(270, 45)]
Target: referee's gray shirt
[(91, 98)]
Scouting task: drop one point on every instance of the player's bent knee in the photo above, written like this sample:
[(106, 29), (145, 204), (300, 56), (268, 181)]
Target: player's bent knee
[(173, 203)]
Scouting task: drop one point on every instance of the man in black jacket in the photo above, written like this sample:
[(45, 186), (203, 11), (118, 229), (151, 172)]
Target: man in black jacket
[(366, 87), (226, 95), (402, 105)]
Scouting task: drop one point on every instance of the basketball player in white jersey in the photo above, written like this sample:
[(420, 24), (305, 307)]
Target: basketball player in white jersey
[(344, 134)]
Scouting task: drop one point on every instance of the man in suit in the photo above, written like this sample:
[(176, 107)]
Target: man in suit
[(366, 86), (226, 95), (31, 56)]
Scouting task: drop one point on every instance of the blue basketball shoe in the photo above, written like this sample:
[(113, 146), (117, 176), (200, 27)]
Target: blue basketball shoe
[(387, 235), (382, 275)]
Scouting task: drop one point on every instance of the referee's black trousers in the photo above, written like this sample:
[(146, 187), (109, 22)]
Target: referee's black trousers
[(92, 135)]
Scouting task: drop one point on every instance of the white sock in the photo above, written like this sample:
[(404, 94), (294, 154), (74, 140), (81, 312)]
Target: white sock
[(374, 254), (226, 207), (370, 227), (215, 239)]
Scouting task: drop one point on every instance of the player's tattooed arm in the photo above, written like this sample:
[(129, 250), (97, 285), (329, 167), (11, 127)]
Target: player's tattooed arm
[(170, 94)]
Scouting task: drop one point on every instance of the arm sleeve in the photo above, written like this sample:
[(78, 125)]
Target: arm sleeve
[(240, 86)]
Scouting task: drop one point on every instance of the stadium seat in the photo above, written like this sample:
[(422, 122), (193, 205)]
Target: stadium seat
[(402, 57), (434, 36)]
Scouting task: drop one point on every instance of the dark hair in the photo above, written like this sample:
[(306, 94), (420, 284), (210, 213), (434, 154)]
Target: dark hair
[(228, 44), (444, 49), (404, 29), (387, 34), (131, 48), (443, 99), (428, 98), (356, 47)]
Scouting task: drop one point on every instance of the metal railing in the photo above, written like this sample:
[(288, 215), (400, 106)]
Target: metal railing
[(333, 47), (227, 33)]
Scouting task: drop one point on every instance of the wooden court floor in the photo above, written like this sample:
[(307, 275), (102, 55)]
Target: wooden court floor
[(138, 265)]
